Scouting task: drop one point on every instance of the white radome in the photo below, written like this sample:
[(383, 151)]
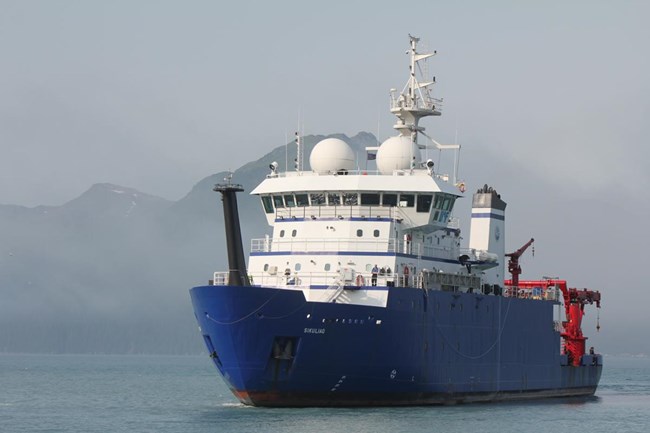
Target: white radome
[(396, 153), (331, 155)]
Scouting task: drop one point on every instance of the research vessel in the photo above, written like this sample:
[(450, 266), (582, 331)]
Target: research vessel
[(362, 295)]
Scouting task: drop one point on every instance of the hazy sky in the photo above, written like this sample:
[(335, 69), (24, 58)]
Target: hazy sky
[(156, 95)]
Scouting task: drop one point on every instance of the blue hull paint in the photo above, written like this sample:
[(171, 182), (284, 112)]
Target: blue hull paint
[(426, 347)]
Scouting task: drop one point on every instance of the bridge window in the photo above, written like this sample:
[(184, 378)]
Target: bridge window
[(302, 200), (333, 199), (449, 203), (317, 199), (444, 202), (267, 203), (437, 203), (370, 199), (289, 200), (424, 202), (406, 200), (350, 199), (441, 216), (389, 200), (277, 201)]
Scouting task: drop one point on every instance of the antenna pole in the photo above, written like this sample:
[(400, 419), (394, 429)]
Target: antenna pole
[(298, 153)]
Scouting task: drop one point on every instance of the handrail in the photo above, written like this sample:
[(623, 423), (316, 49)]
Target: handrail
[(536, 293), (336, 211), (390, 245)]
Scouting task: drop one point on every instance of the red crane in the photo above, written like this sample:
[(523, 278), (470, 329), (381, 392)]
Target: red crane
[(574, 308), (574, 304), (513, 263)]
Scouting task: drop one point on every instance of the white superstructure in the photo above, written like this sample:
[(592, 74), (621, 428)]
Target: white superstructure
[(344, 235)]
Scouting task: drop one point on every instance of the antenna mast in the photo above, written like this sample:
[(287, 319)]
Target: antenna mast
[(415, 101), (298, 161)]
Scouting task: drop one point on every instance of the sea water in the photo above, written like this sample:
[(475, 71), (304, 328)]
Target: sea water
[(101, 393)]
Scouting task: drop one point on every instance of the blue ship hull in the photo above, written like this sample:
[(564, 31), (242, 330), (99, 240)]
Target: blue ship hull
[(273, 348)]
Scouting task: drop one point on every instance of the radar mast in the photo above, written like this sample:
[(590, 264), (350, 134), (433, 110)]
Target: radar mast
[(415, 101)]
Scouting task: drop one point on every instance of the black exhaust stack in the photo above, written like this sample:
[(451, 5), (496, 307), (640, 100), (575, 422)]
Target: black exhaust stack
[(237, 274)]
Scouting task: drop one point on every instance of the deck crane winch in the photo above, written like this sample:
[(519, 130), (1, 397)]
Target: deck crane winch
[(513, 262), (574, 303)]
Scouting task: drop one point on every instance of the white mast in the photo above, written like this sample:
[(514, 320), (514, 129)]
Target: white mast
[(416, 100), (299, 158)]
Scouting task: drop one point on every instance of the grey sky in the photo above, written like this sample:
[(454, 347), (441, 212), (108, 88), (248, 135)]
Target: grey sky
[(156, 95), (550, 100)]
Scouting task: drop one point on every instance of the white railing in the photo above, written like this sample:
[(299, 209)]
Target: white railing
[(392, 245), (418, 171), (537, 293), (220, 279), (339, 211), (335, 283), (306, 245), (331, 279)]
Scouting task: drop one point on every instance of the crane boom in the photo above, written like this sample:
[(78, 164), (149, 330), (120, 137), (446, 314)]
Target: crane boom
[(513, 262)]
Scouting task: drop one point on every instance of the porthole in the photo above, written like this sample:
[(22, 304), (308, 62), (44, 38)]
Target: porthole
[(281, 233), (359, 233), (266, 267), (328, 266), (375, 233), (294, 232), (297, 267)]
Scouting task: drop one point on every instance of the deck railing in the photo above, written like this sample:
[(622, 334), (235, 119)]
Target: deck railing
[(307, 279), (537, 293), (391, 245), (338, 211)]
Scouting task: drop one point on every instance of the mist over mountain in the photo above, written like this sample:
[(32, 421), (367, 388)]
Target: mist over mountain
[(109, 271)]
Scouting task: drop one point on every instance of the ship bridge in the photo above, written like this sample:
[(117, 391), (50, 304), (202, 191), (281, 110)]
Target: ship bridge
[(415, 198)]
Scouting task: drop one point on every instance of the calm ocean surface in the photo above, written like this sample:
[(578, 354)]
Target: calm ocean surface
[(98, 393)]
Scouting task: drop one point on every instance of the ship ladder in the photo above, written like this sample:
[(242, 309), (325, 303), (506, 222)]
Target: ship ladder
[(336, 294)]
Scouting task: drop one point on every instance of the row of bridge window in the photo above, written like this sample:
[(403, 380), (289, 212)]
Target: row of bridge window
[(422, 202)]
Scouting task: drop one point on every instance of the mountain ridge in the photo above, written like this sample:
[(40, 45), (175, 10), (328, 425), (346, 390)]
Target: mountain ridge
[(98, 270)]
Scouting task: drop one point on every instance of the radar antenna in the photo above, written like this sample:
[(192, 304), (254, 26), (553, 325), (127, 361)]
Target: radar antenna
[(415, 101)]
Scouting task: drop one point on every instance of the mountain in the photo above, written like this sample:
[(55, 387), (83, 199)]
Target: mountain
[(109, 271)]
